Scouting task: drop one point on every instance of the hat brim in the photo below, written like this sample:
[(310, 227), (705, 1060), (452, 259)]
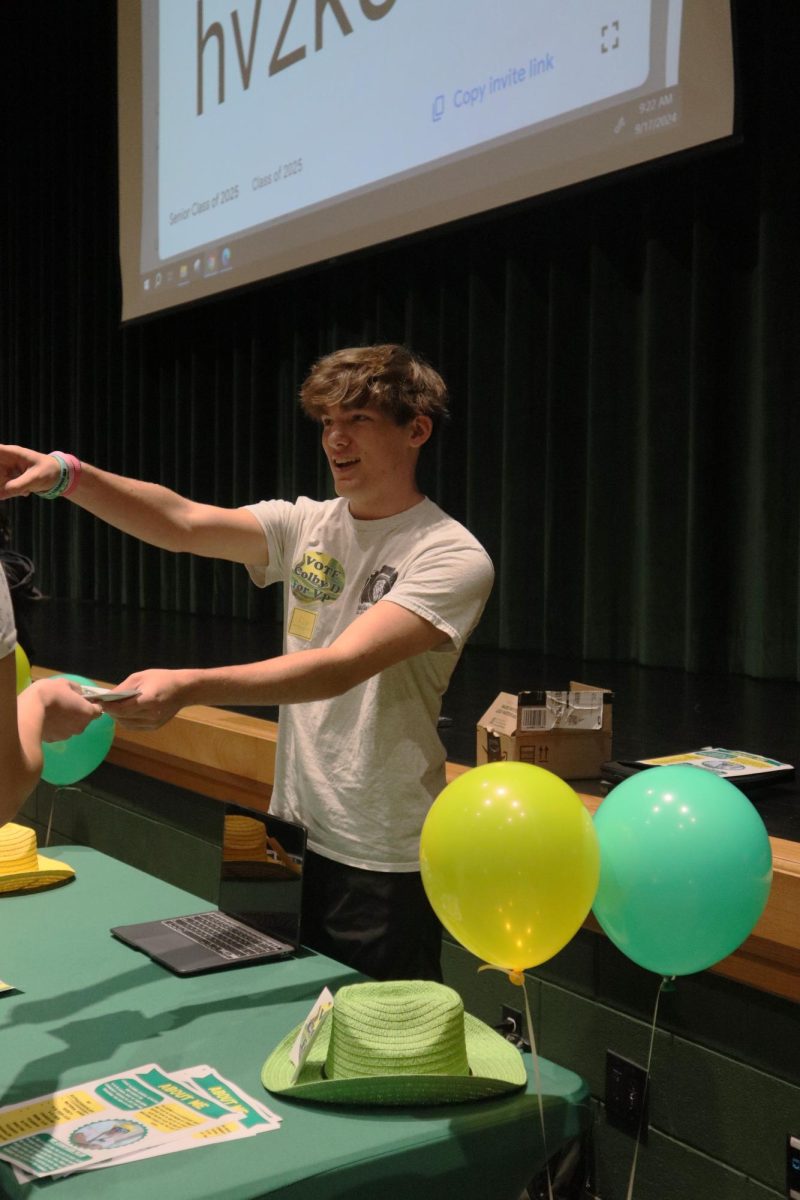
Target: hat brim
[(48, 874), (496, 1068)]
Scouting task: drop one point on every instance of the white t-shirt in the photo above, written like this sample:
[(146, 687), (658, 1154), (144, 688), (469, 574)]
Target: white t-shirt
[(8, 632), (361, 770)]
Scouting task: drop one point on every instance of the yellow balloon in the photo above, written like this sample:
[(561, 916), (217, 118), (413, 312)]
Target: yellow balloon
[(23, 669), (510, 863)]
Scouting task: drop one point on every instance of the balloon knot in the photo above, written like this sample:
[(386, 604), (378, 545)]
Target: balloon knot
[(517, 977)]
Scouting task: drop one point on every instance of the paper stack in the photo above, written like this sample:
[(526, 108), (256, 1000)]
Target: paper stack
[(125, 1117)]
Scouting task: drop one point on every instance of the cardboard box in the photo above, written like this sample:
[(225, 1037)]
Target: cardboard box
[(566, 732)]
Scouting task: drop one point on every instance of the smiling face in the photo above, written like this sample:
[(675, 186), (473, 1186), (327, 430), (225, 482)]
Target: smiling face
[(373, 459)]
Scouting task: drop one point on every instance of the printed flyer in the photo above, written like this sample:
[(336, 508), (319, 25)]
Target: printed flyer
[(728, 764), (123, 1117)]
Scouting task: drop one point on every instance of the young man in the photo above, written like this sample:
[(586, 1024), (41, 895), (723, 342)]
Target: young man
[(49, 710), (381, 590)]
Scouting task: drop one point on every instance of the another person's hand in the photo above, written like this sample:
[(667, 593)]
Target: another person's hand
[(66, 711), (158, 699), (23, 471)]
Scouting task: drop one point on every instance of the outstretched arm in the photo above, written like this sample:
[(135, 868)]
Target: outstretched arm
[(47, 711), (147, 511), (381, 637)]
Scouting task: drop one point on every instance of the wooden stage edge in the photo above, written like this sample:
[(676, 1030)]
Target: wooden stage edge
[(231, 756)]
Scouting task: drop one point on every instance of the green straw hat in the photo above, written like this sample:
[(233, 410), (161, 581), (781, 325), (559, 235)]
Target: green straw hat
[(398, 1042)]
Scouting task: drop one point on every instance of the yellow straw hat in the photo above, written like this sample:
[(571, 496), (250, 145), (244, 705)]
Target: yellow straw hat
[(22, 868)]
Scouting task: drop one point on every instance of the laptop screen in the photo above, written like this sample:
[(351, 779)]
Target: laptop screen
[(261, 872)]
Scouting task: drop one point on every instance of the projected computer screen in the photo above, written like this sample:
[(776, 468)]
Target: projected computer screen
[(261, 136)]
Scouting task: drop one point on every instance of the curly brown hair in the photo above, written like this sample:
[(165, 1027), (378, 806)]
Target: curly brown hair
[(388, 377)]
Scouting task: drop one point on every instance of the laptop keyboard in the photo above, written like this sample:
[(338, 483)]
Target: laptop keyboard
[(217, 932)]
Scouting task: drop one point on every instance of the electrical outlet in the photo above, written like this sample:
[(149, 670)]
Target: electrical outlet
[(793, 1167), (626, 1095), (513, 1026)]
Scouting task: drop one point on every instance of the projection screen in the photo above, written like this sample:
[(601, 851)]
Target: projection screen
[(257, 137)]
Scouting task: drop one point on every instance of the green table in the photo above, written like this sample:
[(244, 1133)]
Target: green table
[(88, 1006)]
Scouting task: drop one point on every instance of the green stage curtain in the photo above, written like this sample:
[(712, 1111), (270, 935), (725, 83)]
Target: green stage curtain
[(622, 359)]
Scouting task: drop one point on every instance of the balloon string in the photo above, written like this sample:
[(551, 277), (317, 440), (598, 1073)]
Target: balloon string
[(665, 983), (537, 1076), (50, 818), (518, 978)]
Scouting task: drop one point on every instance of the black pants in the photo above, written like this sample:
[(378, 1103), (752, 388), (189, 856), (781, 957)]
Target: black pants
[(380, 923)]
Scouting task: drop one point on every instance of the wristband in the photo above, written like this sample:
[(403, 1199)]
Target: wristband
[(69, 474), (62, 483)]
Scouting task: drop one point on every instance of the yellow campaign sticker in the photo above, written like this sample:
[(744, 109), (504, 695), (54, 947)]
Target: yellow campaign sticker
[(317, 576)]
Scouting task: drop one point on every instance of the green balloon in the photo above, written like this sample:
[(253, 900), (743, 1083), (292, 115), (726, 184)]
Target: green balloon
[(685, 868), (69, 761)]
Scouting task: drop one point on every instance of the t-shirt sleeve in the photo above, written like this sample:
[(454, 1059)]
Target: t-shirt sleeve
[(8, 633), (448, 584), (276, 518)]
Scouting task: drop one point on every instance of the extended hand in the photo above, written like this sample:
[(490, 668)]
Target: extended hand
[(158, 701), (66, 712), (25, 471)]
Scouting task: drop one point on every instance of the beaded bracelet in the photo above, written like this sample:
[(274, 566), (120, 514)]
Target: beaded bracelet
[(69, 474)]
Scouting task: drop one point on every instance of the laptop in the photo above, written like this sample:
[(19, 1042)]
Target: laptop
[(259, 901)]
